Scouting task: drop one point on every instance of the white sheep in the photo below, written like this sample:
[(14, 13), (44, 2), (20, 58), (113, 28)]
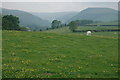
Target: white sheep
[(88, 33)]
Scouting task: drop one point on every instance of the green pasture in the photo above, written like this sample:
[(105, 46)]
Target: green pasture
[(59, 53)]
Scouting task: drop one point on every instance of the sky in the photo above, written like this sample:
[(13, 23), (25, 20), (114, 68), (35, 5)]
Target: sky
[(60, 0), (57, 6)]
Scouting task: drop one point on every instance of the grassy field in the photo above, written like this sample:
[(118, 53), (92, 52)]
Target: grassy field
[(65, 30), (0, 54), (54, 54)]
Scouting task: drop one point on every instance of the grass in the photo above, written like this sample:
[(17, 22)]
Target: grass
[(0, 54), (65, 30), (55, 54)]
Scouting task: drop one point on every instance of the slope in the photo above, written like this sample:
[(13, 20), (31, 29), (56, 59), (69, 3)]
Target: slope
[(27, 19)]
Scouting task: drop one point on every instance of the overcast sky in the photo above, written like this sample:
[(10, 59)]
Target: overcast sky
[(57, 6), (60, 0)]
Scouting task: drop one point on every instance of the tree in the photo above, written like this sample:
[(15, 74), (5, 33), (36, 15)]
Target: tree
[(40, 30), (83, 22), (55, 24), (47, 28), (34, 30), (10, 22), (59, 24), (73, 25), (0, 21)]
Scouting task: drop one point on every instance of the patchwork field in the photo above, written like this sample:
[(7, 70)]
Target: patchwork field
[(55, 54)]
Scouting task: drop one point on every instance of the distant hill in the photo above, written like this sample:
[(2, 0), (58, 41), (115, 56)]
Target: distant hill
[(66, 17), (27, 19), (62, 16), (96, 14)]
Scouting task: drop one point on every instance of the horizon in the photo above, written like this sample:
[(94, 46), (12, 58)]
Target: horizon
[(58, 12), (54, 7)]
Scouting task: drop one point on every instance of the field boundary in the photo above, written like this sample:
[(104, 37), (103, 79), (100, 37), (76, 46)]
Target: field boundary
[(112, 30)]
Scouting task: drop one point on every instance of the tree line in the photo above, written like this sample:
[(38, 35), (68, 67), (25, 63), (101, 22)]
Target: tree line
[(10, 22), (74, 24)]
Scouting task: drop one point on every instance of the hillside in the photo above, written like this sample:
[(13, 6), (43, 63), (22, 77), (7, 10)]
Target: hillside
[(66, 17), (62, 16), (96, 14), (27, 19)]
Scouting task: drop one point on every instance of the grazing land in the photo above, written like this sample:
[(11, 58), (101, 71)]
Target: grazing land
[(59, 53), (65, 30)]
